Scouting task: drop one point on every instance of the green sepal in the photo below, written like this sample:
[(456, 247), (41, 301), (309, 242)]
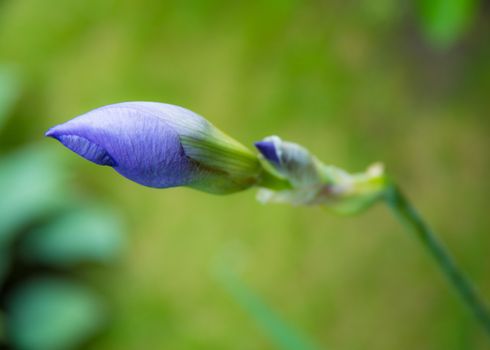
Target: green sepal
[(227, 166)]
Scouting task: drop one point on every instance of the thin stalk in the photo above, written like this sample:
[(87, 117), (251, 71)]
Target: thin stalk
[(456, 277)]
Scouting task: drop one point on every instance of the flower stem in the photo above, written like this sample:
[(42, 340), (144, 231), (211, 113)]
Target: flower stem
[(410, 217)]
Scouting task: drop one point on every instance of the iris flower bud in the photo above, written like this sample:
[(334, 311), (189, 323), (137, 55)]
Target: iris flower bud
[(161, 145), (314, 183)]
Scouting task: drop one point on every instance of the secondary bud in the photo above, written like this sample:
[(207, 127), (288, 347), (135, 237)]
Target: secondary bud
[(314, 183)]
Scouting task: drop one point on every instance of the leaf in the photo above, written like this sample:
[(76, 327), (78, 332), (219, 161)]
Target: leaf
[(52, 314), (445, 21), (32, 184), (84, 235), (10, 87)]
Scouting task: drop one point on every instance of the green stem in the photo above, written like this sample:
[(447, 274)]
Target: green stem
[(409, 216)]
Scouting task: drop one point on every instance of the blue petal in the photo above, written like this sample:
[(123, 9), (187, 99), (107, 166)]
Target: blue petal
[(268, 150), (140, 140), (85, 148)]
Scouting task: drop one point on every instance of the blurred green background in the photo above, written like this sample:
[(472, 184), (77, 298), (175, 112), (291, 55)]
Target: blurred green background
[(354, 81)]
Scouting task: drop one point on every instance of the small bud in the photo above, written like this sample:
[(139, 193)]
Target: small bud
[(314, 183), (160, 145)]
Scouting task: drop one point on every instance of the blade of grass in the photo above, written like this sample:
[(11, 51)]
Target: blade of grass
[(456, 277), (283, 336)]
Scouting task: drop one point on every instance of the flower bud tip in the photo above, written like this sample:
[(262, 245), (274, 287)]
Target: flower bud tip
[(268, 150)]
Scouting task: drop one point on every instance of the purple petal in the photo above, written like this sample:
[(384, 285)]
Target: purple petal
[(140, 140), (268, 150), (85, 148)]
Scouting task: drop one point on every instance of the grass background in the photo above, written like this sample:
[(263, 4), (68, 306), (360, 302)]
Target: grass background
[(355, 82)]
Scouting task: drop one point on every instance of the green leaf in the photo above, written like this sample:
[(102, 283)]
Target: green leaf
[(52, 314), (10, 87), (445, 21), (32, 184), (85, 235)]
